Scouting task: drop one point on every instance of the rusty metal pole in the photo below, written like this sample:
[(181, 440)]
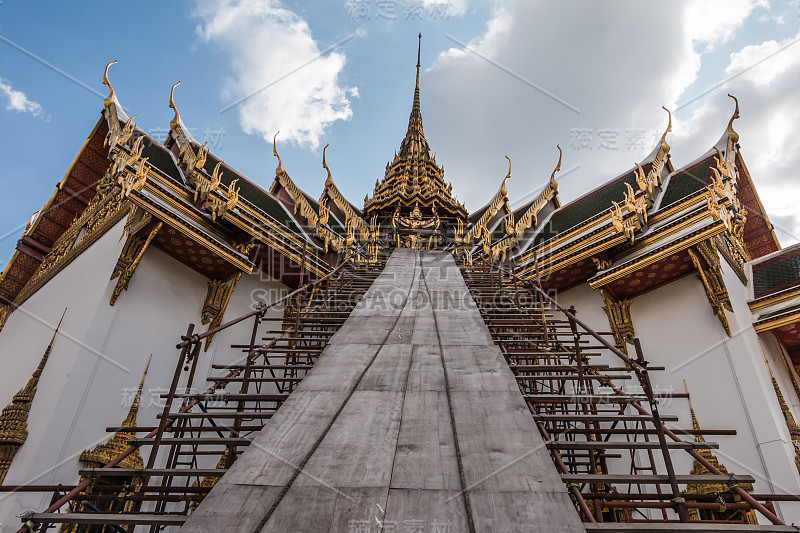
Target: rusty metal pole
[(677, 498), (162, 424)]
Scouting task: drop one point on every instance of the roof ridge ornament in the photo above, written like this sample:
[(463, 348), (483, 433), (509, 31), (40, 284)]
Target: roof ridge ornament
[(503, 188), (329, 180), (553, 182), (176, 120), (734, 137), (110, 99), (279, 169)]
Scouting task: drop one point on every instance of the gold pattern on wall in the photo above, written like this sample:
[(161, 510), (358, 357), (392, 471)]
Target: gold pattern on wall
[(713, 488), (14, 418), (713, 283), (128, 260), (734, 253), (104, 210), (217, 298), (5, 311), (794, 431), (619, 318)]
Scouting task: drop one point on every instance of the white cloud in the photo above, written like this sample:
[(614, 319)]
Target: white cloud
[(445, 8), (769, 126), (18, 101), (277, 68), (618, 66), (715, 21)]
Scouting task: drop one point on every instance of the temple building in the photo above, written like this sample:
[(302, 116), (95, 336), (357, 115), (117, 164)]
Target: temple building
[(185, 349)]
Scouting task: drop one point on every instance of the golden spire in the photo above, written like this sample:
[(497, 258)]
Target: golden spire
[(14, 418), (414, 143), (176, 120), (734, 137), (111, 95), (103, 453)]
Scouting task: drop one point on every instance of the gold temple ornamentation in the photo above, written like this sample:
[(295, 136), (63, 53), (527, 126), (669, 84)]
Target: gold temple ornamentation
[(627, 227), (128, 260), (217, 298), (298, 198), (14, 418), (653, 180), (500, 199), (619, 318), (713, 283), (102, 454), (791, 425), (5, 312), (734, 253), (104, 210), (529, 217), (713, 488)]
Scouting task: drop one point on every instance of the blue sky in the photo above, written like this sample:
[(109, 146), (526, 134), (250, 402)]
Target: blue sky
[(617, 63)]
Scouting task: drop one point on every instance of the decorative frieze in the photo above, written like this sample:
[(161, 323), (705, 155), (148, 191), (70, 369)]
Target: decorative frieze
[(713, 283), (619, 318), (217, 298), (129, 257), (5, 312)]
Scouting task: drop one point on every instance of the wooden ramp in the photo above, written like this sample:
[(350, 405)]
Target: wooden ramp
[(410, 421)]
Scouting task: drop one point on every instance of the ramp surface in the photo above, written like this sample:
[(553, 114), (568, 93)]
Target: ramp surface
[(410, 421)]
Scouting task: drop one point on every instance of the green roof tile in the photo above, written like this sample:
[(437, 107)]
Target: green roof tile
[(585, 208), (776, 274), (159, 157), (687, 182)]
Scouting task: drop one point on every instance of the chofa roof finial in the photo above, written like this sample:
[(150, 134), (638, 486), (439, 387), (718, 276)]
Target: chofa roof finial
[(176, 120)]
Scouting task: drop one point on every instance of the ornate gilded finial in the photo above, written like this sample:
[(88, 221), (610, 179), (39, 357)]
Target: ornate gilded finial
[(103, 453), (734, 137), (278, 170), (695, 425), (419, 55), (508, 175), (558, 167), (14, 418), (173, 124), (329, 180), (110, 99), (669, 125)]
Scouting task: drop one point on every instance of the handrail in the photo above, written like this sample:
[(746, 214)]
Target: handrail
[(640, 369), (261, 310), (633, 365)]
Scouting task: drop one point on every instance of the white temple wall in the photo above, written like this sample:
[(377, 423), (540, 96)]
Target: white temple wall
[(100, 355), (726, 376)]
